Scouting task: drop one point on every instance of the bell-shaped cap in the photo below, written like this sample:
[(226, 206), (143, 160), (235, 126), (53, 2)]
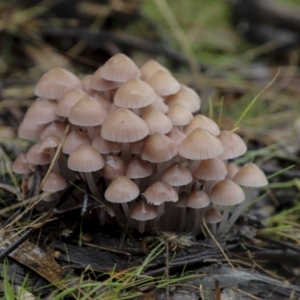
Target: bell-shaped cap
[(187, 97), (41, 112), (143, 211), (21, 165), (179, 115), (176, 135), (104, 146), (201, 121), (36, 157), (233, 145), (211, 169), (54, 128), (250, 175), (200, 144), (124, 126), (150, 68), (226, 193), (212, 216), (87, 112), (163, 83), (158, 148), (55, 83), (121, 190), (177, 175), (30, 131), (160, 192), (65, 103), (85, 159), (98, 83), (197, 199), (54, 183), (119, 68), (73, 140), (138, 168), (134, 93), (113, 167), (158, 104), (157, 121)]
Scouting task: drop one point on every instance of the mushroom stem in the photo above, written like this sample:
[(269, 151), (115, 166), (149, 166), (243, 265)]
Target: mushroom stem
[(91, 132), (197, 228), (125, 155), (224, 221), (126, 210), (92, 185), (160, 211), (239, 209), (142, 226)]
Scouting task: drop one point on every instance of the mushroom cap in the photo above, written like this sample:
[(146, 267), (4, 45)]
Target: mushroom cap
[(121, 190), (197, 199), (160, 192), (179, 115), (187, 97), (134, 93), (21, 165), (124, 126), (158, 148), (54, 128), (233, 145), (54, 183), (138, 168), (213, 216), (250, 175), (177, 175), (158, 104), (200, 144), (157, 121), (149, 68), (50, 141), (176, 135), (85, 159), (30, 131), (119, 68), (163, 83), (87, 112), (226, 193), (104, 146), (143, 211), (36, 157), (232, 169), (201, 121), (40, 112), (55, 83), (98, 83), (65, 103), (113, 167), (211, 169), (73, 140)]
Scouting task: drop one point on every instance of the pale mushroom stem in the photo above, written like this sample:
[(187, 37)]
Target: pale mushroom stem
[(224, 221), (239, 210), (91, 132), (91, 184), (194, 165), (126, 210), (160, 211), (197, 228), (142, 226), (125, 155)]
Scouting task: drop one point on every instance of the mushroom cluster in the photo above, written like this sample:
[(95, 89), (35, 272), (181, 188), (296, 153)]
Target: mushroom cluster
[(138, 131)]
